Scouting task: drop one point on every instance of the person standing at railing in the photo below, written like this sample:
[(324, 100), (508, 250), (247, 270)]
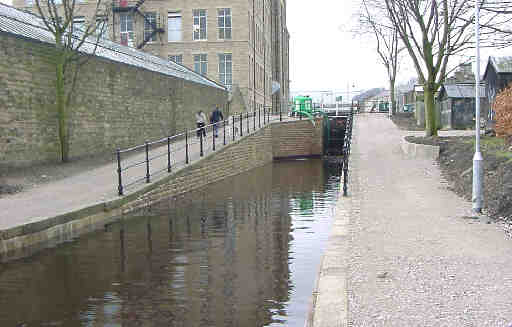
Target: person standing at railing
[(201, 122), (215, 118)]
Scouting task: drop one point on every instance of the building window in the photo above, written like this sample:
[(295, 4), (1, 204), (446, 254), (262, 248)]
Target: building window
[(225, 69), (101, 27), (176, 58), (126, 29), (174, 31), (224, 23), (201, 63), (199, 31), (79, 23), (149, 26)]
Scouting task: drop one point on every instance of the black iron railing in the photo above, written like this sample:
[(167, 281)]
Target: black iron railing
[(347, 142), (143, 162)]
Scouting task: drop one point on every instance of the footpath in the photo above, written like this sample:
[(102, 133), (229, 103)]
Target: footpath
[(407, 251)]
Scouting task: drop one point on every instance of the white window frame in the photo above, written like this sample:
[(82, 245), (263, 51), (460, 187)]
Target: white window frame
[(174, 15), (174, 58), (79, 24), (201, 63), (223, 73), (225, 18), (124, 31), (151, 16), (199, 30), (102, 20)]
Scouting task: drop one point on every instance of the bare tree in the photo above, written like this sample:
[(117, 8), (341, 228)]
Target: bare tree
[(432, 32), (75, 42), (387, 39)]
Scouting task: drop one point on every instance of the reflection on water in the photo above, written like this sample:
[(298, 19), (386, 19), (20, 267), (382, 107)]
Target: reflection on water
[(242, 252)]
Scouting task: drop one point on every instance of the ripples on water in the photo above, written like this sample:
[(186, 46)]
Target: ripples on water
[(242, 252)]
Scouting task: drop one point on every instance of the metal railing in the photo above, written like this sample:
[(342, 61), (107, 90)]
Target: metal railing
[(347, 142), (143, 162)]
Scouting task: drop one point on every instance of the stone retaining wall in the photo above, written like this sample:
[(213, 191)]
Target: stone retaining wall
[(114, 105), (298, 139)]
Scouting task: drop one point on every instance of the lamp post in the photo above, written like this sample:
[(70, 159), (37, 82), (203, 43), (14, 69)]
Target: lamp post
[(477, 198)]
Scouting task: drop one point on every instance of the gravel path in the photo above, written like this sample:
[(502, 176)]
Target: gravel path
[(416, 258)]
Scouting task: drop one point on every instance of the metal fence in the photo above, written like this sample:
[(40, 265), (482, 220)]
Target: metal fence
[(347, 142), (141, 163)]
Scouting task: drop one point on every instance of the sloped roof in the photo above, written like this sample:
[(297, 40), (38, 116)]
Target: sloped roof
[(368, 94), (28, 25), (502, 65), (463, 90)]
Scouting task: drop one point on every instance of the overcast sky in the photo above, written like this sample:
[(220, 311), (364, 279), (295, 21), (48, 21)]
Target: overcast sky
[(324, 54)]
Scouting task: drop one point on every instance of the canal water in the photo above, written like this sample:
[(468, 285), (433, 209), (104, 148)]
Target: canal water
[(241, 252)]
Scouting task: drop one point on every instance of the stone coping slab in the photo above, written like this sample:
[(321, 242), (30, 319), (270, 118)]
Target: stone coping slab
[(419, 151)]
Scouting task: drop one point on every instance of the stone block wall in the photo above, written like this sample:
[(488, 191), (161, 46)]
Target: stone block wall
[(297, 139), (114, 105), (275, 141), (249, 153)]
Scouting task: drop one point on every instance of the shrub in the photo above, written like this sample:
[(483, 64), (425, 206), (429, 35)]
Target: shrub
[(503, 110)]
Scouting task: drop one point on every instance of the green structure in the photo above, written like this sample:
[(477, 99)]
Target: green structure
[(303, 105)]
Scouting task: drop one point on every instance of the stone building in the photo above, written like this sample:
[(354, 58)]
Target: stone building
[(243, 44)]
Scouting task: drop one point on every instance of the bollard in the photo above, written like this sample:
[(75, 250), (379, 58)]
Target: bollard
[(224, 132), (233, 128), (119, 173), (247, 117), (254, 118)]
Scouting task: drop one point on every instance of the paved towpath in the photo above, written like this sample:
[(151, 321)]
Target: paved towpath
[(100, 184), (403, 250)]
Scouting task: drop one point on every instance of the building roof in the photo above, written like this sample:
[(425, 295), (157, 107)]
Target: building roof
[(502, 65), (367, 94), (462, 90), (27, 25)]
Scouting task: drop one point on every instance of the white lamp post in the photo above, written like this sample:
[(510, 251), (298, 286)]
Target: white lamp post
[(477, 198)]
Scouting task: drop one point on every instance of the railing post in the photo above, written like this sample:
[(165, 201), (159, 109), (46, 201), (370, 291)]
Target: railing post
[(168, 154), (233, 125), (345, 175), (119, 173), (241, 129), (186, 146), (224, 131), (148, 179), (254, 116), (247, 117), (280, 114), (214, 126), (201, 144)]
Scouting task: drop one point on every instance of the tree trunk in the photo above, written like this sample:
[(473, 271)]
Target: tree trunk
[(430, 112), (61, 109), (392, 96)]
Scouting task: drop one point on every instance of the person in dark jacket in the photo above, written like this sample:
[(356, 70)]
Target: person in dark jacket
[(215, 118)]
